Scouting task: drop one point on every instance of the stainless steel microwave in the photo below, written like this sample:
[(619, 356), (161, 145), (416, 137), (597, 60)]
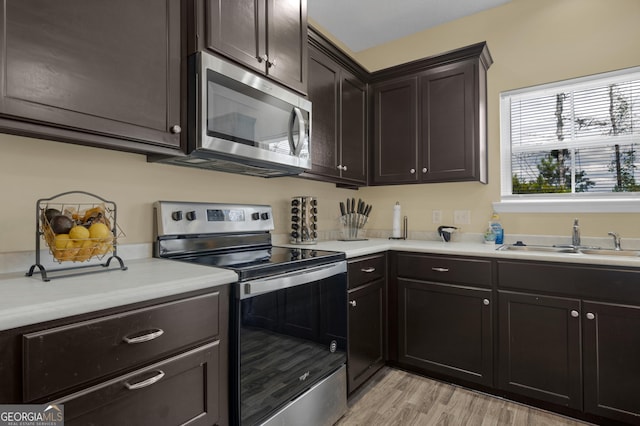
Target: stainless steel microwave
[(240, 122)]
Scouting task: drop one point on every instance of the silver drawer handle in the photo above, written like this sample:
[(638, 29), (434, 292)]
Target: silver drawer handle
[(145, 383), (154, 334), (440, 269), (353, 303), (368, 270)]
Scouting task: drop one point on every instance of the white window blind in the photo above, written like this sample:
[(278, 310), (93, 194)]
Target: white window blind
[(573, 138)]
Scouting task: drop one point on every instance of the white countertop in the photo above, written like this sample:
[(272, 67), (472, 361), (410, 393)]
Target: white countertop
[(376, 245), (29, 300)]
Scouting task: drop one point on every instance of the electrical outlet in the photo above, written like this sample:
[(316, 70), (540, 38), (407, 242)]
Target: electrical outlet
[(436, 216), (461, 217)]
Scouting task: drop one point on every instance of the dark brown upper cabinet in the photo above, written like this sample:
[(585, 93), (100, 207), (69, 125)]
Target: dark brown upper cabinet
[(97, 73), (338, 92), (429, 119), (269, 36)]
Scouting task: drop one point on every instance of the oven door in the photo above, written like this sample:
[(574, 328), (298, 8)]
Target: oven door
[(290, 332)]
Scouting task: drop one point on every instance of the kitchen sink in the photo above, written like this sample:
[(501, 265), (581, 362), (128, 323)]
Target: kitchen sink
[(611, 252), (548, 249)]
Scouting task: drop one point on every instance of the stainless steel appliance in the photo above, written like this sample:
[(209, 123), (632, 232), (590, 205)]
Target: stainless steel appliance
[(241, 122), (288, 324)]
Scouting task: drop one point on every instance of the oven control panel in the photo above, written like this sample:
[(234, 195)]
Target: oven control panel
[(188, 218)]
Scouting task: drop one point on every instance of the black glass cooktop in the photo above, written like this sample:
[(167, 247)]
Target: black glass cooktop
[(266, 261)]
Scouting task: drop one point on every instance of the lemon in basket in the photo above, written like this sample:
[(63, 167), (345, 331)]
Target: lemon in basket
[(79, 233), (85, 250), (62, 241), (99, 232)]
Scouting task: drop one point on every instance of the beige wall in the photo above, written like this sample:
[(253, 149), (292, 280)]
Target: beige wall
[(531, 41)]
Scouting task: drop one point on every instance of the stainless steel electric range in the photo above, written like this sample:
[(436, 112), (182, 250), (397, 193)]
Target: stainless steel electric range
[(288, 324)]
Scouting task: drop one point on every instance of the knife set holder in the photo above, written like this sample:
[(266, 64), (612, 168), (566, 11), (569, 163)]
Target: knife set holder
[(353, 219), (304, 220)]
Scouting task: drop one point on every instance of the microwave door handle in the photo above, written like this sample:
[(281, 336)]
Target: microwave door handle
[(296, 113)]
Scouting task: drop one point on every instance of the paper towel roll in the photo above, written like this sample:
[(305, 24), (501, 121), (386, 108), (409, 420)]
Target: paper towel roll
[(396, 233)]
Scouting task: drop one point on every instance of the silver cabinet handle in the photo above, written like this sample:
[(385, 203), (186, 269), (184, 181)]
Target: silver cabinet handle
[(590, 316), (271, 64), (353, 303), (153, 334), (575, 314), (175, 129), (145, 383), (262, 58), (485, 302), (344, 168), (425, 170), (412, 171), (339, 167), (440, 269), (368, 270)]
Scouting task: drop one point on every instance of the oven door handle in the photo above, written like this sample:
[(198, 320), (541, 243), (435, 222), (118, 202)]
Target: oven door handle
[(291, 279)]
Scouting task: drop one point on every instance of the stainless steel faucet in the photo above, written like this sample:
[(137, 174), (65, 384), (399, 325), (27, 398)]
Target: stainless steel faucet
[(616, 240), (575, 236)]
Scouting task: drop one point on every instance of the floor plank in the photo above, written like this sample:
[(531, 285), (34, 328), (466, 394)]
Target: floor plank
[(395, 397)]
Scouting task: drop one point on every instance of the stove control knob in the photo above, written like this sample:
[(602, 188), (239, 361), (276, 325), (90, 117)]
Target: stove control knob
[(191, 215), (255, 216), (265, 216), (177, 215)]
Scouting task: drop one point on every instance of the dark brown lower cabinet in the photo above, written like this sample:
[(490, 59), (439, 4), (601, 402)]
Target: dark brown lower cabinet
[(185, 393), (446, 329), (539, 349), (612, 361), (366, 331)]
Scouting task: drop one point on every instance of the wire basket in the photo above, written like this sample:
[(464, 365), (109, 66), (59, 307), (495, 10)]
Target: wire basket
[(76, 231)]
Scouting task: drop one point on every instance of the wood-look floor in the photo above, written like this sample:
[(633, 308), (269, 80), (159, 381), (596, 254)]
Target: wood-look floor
[(394, 397)]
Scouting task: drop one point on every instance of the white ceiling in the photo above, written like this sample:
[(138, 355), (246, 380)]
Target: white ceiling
[(361, 24)]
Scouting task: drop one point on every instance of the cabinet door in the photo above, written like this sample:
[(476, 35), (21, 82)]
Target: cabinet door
[(447, 123), (539, 349), (287, 42), (353, 129), (185, 389), (395, 131), (95, 72), (324, 85), (237, 28), (611, 361), (366, 322), (446, 329)]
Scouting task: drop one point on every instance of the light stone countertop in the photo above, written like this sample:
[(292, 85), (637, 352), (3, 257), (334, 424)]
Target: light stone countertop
[(376, 245), (29, 300)]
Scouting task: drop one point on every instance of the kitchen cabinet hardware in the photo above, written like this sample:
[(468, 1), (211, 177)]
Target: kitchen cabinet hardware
[(338, 90), (590, 316), (575, 313), (93, 107), (175, 129), (485, 302), (367, 323), (153, 334), (431, 112), (425, 170), (145, 383), (268, 36), (438, 269)]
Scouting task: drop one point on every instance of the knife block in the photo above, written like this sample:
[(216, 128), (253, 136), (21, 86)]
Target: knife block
[(304, 219)]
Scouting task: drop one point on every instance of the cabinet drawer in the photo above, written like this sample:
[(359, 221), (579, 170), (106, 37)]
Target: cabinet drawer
[(365, 270), (444, 269), (180, 390), (66, 356)]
